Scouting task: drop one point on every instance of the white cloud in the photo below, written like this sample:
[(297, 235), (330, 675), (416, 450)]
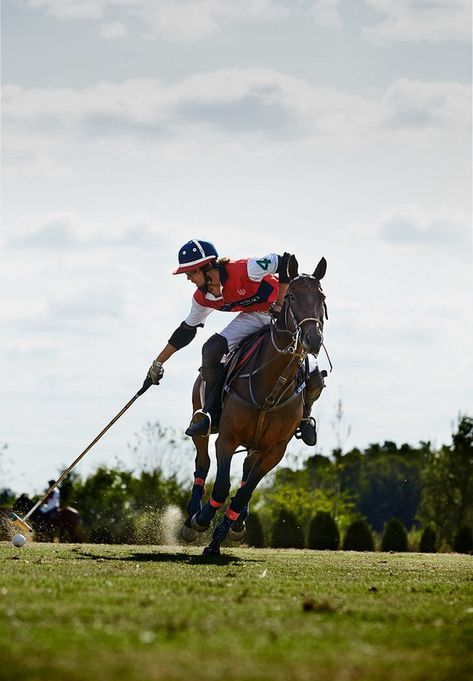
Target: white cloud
[(98, 301), (24, 153), (113, 30), (433, 21), (445, 232), (242, 109), (71, 9), (185, 20), (326, 14), (67, 231), (192, 20), (433, 109)]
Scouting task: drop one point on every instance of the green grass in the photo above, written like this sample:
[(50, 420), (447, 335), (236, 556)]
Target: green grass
[(139, 613)]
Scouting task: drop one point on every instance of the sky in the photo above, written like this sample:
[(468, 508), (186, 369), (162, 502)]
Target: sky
[(335, 128)]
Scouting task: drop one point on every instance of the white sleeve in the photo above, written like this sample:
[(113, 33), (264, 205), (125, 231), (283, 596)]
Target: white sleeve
[(198, 314), (261, 267), (49, 505)]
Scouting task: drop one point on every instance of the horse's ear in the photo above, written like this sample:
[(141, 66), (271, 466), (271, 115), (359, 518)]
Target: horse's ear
[(320, 270), (293, 267)]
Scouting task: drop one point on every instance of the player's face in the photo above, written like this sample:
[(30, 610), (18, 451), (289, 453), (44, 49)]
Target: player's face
[(197, 277)]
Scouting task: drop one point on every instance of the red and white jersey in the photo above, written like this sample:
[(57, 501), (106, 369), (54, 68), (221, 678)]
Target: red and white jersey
[(247, 285)]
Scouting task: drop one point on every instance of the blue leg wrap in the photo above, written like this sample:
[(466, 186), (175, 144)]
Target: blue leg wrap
[(221, 531), (195, 503), (207, 514)]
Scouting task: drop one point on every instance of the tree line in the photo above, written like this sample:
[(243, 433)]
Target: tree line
[(421, 496)]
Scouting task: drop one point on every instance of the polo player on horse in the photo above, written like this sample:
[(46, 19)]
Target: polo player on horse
[(252, 287)]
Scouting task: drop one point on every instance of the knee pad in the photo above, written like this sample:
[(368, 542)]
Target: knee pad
[(212, 352)]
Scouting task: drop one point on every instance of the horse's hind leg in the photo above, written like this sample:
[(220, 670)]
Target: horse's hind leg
[(238, 528), (202, 465), (225, 447)]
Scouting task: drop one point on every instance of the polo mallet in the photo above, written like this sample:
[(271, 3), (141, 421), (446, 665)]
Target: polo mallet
[(21, 522)]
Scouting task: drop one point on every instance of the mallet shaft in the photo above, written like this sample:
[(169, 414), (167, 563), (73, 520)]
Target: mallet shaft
[(145, 386)]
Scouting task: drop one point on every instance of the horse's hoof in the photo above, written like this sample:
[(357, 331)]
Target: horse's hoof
[(211, 550), (195, 525), (237, 531), (188, 533)]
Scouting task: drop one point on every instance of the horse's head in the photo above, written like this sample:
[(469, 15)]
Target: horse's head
[(304, 306)]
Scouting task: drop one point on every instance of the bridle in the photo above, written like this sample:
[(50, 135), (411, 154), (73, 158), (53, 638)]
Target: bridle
[(291, 348)]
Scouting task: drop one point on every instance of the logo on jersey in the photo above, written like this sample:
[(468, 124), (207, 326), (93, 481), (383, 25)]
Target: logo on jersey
[(241, 291)]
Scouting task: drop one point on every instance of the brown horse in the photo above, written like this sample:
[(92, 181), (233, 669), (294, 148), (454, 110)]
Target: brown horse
[(262, 407), (66, 524)]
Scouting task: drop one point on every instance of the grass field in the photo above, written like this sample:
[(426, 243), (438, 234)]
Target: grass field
[(80, 612)]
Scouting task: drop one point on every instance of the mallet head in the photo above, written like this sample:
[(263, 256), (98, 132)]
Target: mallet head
[(20, 523)]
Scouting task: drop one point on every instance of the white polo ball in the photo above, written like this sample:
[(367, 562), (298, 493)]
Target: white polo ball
[(18, 540)]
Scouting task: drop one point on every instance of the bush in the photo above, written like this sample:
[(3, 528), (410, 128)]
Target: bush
[(463, 540), (7, 497), (428, 541), (254, 531), (358, 537), (323, 532), (395, 536), (286, 532)]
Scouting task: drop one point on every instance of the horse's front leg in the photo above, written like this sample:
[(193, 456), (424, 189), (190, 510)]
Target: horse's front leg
[(238, 527), (263, 463)]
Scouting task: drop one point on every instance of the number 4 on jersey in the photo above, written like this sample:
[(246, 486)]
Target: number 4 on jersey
[(264, 263)]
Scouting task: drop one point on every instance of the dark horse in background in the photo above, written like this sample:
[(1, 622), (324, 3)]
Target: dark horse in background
[(263, 404), (66, 525)]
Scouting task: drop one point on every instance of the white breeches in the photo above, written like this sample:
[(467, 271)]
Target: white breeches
[(246, 323), (243, 325)]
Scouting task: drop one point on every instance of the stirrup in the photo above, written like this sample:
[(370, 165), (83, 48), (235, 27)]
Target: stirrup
[(308, 421), (195, 422)]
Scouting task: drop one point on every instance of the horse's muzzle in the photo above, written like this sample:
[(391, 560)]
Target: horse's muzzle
[(311, 337)]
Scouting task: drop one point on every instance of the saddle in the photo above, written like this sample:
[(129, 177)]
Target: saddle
[(232, 365), (238, 358)]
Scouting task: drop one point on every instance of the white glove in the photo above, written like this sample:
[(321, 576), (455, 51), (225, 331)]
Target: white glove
[(156, 372)]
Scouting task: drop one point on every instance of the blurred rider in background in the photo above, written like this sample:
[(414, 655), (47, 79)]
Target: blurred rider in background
[(50, 508)]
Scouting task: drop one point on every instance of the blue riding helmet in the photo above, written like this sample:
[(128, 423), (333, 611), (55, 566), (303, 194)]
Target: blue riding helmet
[(194, 254)]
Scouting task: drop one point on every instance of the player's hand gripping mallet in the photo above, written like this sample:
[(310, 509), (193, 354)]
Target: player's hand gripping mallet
[(21, 522)]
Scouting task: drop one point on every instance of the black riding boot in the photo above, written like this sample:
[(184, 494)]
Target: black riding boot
[(307, 429), (201, 423), (212, 352)]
